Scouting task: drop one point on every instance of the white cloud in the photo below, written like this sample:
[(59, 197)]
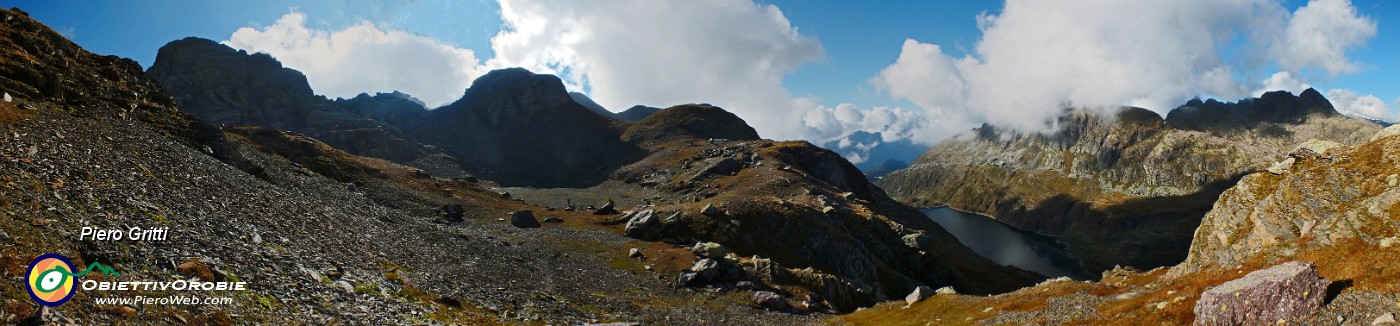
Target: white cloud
[(1319, 35), (1350, 103), (364, 58), (1282, 80), (1036, 57), (732, 53)]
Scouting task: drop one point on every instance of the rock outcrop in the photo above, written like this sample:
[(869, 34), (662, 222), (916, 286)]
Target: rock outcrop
[(1289, 291), (1127, 188), (1334, 197)]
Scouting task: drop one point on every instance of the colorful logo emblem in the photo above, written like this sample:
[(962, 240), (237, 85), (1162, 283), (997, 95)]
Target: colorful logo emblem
[(50, 279)]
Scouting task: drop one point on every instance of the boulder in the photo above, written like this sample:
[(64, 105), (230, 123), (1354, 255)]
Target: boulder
[(771, 300), (634, 253), (947, 290), (706, 269), (644, 225), (607, 209), (553, 219), (524, 219), (1282, 167), (344, 286), (1288, 291), (709, 210), (1313, 147), (686, 279), (452, 213), (1384, 319), (919, 294), (709, 250)]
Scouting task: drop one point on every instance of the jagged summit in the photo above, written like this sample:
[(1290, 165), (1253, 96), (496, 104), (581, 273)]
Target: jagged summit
[(691, 121), (230, 87), (222, 85), (1272, 107), (395, 108)]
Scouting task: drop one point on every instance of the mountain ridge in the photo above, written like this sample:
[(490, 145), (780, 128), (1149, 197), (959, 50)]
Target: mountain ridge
[(1125, 190)]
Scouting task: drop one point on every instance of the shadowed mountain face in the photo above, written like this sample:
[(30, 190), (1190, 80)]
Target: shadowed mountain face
[(516, 127), (223, 86), (1129, 188), (394, 108)]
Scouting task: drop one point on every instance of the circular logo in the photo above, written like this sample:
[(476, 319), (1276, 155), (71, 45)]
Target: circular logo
[(50, 279)]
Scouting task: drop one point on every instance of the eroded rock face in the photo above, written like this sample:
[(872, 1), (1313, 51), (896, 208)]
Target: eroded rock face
[(1339, 196), (224, 86), (1127, 189), (1288, 291), (233, 87)]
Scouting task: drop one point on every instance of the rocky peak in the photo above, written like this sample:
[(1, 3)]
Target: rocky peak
[(1272, 107), (395, 108), (520, 128), (699, 121), (222, 85), (506, 95)]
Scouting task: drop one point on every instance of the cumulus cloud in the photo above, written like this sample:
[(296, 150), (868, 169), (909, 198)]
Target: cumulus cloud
[(1350, 103), (364, 58), (732, 53), (1319, 35), (1036, 57), (1282, 80)]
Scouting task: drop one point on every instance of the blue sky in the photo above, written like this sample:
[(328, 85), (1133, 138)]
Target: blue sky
[(847, 58), (859, 38)]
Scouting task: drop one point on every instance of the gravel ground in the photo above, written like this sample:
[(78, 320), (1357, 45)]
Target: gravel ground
[(295, 235)]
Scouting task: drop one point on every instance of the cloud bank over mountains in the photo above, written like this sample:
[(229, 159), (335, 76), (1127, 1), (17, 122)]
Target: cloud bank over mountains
[(1032, 58), (1037, 56)]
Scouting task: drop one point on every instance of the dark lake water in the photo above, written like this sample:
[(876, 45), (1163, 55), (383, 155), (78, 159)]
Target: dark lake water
[(1006, 245)]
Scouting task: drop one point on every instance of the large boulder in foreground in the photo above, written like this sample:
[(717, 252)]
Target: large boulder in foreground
[(1288, 291)]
